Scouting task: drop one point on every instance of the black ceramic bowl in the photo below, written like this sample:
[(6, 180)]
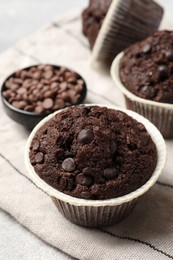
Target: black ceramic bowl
[(30, 119)]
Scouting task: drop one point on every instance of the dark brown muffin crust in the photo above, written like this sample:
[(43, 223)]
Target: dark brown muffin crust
[(92, 18), (146, 68), (93, 153)]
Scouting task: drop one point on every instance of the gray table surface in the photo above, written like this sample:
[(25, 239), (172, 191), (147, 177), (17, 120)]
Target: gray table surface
[(19, 18)]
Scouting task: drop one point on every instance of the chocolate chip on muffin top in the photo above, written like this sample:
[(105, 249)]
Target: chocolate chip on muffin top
[(146, 69), (93, 152)]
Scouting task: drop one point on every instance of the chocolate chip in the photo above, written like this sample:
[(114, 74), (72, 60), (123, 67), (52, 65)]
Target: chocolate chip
[(163, 71), (48, 67), (35, 145), (48, 74), (47, 94), (39, 109), (63, 183), (11, 99), (37, 75), (54, 85), (23, 74), (68, 165), (85, 194), (85, 180), (146, 48), (35, 91), (68, 174), (70, 184), (45, 88), (27, 83), (59, 103), (48, 103), (85, 136), (148, 91), (62, 70), (66, 181), (86, 170), (19, 104), (71, 80), (80, 82), (18, 81), (39, 157), (14, 87), (60, 79), (110, 173), (68, 74), (65, 96), (113, 147), (6, 94), (29, 108), (169, 55), (78, 88)]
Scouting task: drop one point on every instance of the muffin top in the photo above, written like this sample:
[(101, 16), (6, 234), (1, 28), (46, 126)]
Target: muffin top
[(93, 152), (93, 17), (146, 69)]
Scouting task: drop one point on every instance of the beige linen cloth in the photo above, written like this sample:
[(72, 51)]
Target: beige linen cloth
[(147, 233)]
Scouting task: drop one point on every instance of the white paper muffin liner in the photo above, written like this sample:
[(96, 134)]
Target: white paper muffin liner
[(99, 213), (126, 22), (160, 114)]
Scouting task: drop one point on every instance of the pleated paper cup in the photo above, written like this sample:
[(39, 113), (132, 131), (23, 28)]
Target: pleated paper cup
[(160, 114), (126, 22), (99, 213)]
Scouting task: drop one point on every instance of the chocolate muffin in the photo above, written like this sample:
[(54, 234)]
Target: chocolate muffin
[(92, 18), (93, 152), (146, 68), (112, 26)]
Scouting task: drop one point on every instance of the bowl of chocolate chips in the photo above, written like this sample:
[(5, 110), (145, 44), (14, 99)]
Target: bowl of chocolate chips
[(30, 94)]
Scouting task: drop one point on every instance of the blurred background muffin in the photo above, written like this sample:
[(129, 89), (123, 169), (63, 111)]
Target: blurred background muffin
[(111, 26), (144, 73)]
